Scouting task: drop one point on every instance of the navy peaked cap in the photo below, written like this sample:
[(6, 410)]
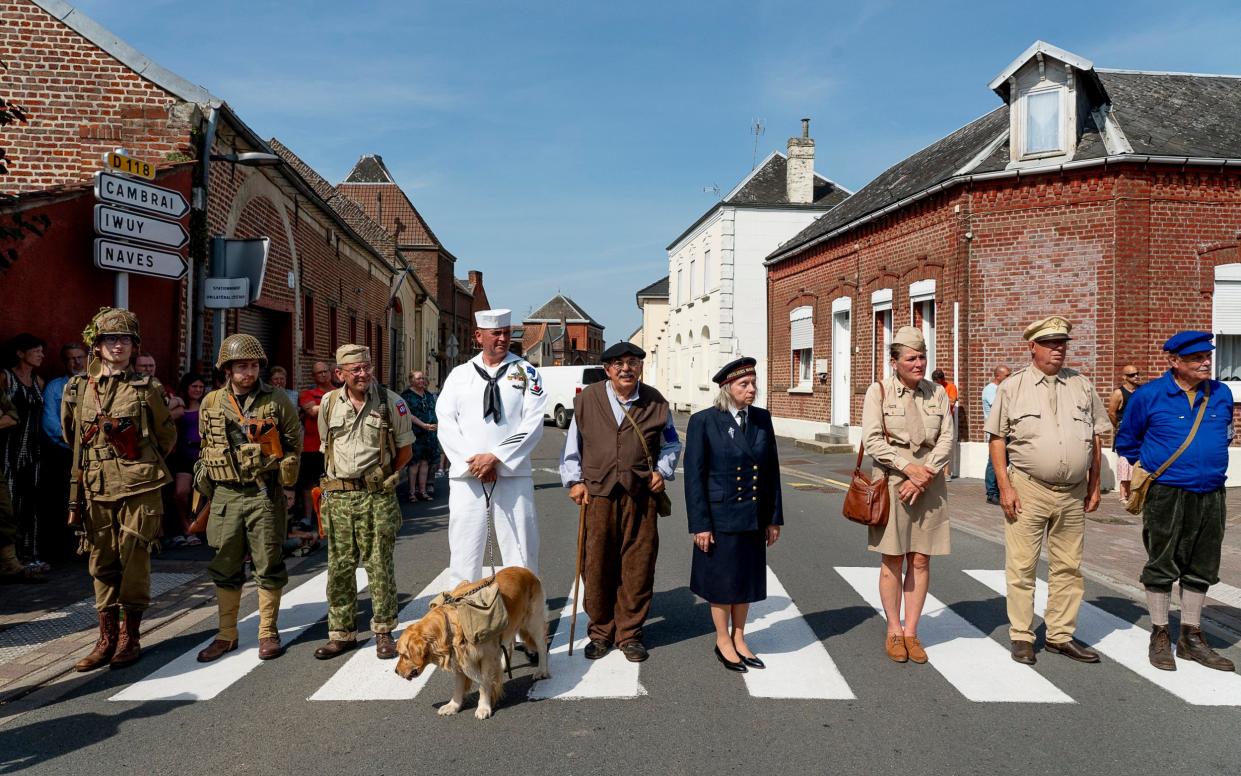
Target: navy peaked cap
[(1185, 342)]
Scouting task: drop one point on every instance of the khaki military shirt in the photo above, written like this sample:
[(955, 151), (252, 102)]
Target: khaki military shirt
[(354, 437), (262, 402), (1053, 447), (932, 411), (122, 396)]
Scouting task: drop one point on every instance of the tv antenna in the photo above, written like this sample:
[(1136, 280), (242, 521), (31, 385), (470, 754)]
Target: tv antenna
[(758, 128), (713, 188)]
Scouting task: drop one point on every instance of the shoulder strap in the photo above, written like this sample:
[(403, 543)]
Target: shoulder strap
[(650, 464), (325, 409), (1206, 397), (883, 423)]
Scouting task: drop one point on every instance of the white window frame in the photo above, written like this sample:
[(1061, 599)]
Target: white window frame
[(881, 302), (693, 285), (1226, 322), (919, 292), (801, 357), (680, 288), (706, 270), (1023, 116)]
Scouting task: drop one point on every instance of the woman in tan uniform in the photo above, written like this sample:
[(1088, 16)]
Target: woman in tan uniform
[(914, 453)]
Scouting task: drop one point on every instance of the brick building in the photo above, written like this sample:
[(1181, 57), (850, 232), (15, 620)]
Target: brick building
[(372, 186), (329, 278), (1113, 197), (561, 333)]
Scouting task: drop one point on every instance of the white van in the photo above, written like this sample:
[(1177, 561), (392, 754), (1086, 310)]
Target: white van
[(562, 383)]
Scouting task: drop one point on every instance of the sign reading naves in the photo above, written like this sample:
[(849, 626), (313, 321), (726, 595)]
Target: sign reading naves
[(135, 194), (127, 257), (114, 222)]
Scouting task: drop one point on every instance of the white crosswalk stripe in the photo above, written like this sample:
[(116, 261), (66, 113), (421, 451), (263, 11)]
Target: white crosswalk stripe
[(611, 676), (975, 664), (185, 679), (798, 666), (367, 678), (1127, 644), (1225, 594)]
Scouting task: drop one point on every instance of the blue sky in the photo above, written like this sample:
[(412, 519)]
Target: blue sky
[(560, 146)]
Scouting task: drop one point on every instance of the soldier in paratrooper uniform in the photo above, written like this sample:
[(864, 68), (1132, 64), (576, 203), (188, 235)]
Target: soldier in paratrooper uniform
[(251, 441), (367, 440), (118, 425)]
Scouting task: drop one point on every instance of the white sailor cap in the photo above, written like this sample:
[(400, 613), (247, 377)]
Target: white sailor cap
[(492, 319)]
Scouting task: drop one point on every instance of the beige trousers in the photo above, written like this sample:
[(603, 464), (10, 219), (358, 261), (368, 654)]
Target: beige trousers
[(1059, 515)]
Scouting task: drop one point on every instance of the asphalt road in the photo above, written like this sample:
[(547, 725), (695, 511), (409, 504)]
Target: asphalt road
[(971, 710)]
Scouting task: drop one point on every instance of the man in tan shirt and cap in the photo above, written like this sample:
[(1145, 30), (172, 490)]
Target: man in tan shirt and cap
[(1045, 449)]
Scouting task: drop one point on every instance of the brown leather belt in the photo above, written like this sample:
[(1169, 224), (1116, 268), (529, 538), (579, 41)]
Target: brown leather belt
[(330, 485)]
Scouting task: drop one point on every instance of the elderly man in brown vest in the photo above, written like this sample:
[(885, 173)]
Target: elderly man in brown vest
[(620, 449)]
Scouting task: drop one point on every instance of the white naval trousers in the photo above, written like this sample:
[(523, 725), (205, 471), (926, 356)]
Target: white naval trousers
[(517, 528)]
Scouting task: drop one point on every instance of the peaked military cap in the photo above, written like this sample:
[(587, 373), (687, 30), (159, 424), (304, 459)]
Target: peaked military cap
[(1056, 326)]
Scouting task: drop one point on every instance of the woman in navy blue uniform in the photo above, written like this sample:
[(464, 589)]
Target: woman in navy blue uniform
[(732, 496)]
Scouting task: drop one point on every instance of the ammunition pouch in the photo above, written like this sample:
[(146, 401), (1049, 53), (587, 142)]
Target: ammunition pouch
[(122, 436), (217, 465), (376, 480), (263, 432), (288, 471), (250, 460), (203, 483)]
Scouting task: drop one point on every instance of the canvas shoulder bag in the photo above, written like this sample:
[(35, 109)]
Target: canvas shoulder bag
[(1141, 481), (867, 500)]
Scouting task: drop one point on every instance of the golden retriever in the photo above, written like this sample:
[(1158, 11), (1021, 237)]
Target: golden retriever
[(437, 640)]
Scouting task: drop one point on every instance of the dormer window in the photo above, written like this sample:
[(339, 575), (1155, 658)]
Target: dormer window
[(1044, 122), (1046, 89)]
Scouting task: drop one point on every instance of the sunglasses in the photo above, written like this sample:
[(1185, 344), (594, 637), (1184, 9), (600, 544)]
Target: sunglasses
[(1131, 374)]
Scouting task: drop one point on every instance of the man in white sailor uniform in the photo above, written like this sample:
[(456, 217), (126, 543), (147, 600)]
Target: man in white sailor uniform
[(490, 420)]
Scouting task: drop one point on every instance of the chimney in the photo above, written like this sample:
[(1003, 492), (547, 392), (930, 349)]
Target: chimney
[(799, 175), (476, 278)]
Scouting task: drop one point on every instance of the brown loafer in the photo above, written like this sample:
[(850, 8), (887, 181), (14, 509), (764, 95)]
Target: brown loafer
[(385, 647), (1023, 652), (270, 648), (1074, 649), (634, 652), (334, 648), (895, 647), (216, 650), (914, 647)]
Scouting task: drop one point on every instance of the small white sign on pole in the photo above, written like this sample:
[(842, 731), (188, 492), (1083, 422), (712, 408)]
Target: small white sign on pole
[(223, 293)]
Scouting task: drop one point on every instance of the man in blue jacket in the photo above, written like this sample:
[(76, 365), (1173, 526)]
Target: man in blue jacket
[(1183, 517)]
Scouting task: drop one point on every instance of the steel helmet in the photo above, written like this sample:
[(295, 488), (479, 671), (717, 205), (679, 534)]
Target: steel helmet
[(111, 320), (240, 347)]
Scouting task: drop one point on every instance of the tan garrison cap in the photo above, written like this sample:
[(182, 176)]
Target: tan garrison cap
[(1055, 326), (910, 338), (353, 354)]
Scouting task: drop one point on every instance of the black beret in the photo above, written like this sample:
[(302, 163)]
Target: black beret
[(622, 349), (735, 370)]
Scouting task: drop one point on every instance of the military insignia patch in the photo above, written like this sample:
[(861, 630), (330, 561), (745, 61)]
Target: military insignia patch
[(401, 409)]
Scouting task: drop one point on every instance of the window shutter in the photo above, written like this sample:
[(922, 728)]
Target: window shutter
[(801, 328), (1227, 307)]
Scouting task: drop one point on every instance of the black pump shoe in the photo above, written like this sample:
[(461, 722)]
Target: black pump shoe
[(739, 667), (752, 662)]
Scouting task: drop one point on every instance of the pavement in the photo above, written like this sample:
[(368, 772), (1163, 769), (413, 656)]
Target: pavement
[(829, 700)]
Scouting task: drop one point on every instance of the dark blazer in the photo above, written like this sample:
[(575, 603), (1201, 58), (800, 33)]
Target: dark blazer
[(732, 480)]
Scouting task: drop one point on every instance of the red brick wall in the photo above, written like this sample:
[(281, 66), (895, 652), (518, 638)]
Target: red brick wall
[(81, 104)]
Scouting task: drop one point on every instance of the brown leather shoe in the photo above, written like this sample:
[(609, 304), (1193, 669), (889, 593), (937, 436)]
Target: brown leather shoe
[(216, 650), (270, 648), (105, 647), (914, 647), (1191, 646), (385, 647), (334, 648), (596, 649), (128, 650), (1074, 649), (634, 651), (895, 647), (1160, 652), (1023, 652)]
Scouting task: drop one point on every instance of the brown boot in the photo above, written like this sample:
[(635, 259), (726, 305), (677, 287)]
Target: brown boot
[(128, 650), (1191, 646), (1161, 649), (106, 646), (228, 601)]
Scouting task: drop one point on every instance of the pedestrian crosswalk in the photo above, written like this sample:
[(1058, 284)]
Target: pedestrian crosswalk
[(967, 656)]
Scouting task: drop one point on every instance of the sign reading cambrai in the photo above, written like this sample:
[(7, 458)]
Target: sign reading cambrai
[(140, 196)]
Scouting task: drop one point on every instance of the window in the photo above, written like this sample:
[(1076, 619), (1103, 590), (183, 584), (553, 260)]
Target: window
[(1226, 308), (353, 329), (680, 288), (704, 371), (706, 271), (881, 303), (332, 337), (676, 363), (1043, 122), (693, 284), (379, 349), (801, 343), (308, 322), (366, 325)]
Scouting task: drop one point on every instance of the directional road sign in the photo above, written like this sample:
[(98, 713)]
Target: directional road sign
[(126, 257), (115, 222), (135, 194), (129, 165)]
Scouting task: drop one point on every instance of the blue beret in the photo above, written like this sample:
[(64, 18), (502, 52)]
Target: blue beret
[(1184, 342)]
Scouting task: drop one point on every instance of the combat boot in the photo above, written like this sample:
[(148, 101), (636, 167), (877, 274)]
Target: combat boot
[(105, 647), (1191, 646), (228, 601), (269, 633), (128, 650), (10, 566), (1161, 649)]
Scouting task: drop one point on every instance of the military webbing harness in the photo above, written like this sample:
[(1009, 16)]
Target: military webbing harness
[(387, 443)]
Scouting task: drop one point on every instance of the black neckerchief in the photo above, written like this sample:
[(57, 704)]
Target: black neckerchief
[(491, 394)]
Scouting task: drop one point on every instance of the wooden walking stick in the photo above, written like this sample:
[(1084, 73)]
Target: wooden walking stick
[(577, 577)]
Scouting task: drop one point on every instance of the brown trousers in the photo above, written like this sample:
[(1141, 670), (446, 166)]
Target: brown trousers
[(120, 535), (622, 542)]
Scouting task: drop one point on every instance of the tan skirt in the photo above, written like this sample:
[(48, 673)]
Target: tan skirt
[(922, 527)]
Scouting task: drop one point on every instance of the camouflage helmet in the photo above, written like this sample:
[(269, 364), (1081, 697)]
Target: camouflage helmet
[(240, 347), (111, 320)]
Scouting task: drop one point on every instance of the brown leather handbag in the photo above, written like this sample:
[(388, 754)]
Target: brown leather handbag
[(867, 500)]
